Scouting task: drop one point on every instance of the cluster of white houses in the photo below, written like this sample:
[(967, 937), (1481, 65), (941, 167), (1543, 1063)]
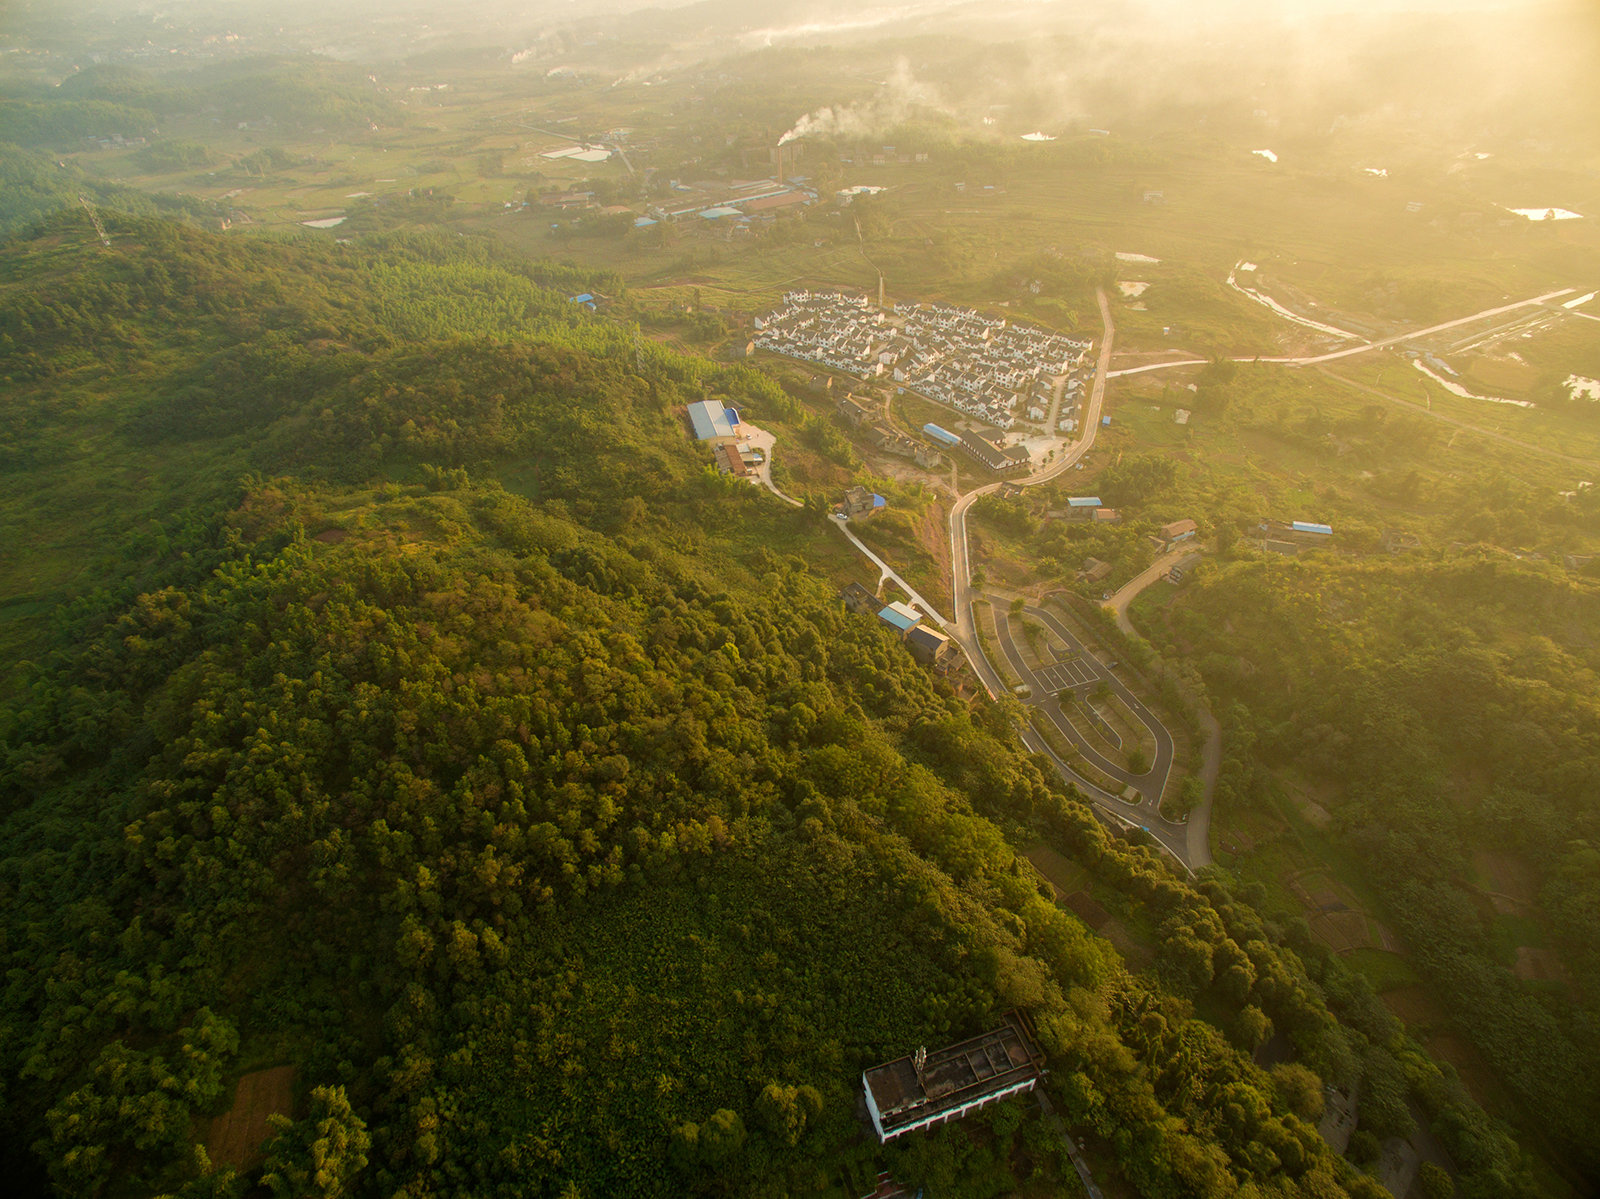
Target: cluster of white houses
[(982, 366)]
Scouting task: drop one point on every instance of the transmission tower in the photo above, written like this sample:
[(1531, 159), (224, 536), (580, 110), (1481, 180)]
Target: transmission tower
[(95, 217)]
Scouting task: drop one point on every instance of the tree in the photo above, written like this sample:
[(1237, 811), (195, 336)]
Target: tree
[(785, 1111), (1251, 1027), (721, 1136), (1363, 1148), (1434, 1182), (1300, 1090), (318, 1157)]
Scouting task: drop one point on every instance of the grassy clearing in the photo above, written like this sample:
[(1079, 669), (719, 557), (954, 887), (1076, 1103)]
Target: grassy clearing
[(983, 620), (1070, 755)]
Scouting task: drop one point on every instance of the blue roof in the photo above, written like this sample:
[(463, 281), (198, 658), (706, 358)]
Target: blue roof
[(710, 419), (1306, 526), (1105, 420), (585, 298), (938, 434), (898, 619), (723, 210), (643, 222), (1084, 501), (733, 417), (878, 501)]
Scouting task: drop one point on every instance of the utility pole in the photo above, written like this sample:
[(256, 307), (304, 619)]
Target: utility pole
[(95, 217)]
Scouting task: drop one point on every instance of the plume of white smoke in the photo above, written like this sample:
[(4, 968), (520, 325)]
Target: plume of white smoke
[(900, 96)]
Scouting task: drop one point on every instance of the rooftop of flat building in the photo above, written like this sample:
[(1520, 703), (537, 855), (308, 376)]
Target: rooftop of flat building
[(954, 1075)]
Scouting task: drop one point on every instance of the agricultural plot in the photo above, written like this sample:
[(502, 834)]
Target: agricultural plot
[(236, 1138), (1336, 915)]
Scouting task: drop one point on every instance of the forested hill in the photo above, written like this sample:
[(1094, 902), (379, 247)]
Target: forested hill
[(486, 759)]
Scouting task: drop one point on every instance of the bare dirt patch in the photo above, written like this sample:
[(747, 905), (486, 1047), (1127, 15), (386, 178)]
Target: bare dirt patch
[(1475, 1074), (331, 536), (236, 1137), (1507, 883), (1539, 965), (1312, 812), (1137, 956), (933, 537), (1082, 905), (1059, 871), (1413, 1006)]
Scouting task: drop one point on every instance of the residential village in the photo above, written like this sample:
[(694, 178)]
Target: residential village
[(984, 367)]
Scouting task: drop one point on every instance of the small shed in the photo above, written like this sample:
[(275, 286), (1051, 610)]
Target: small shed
[(858, 599)]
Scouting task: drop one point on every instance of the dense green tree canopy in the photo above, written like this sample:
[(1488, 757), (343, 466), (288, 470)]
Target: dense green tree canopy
[(470, 747)]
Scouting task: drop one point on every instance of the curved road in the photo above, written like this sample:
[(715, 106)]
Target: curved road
[(1189, 845), (1381, 344), (960, 557), (1118, 603), (1211, 756), (1147, 811)]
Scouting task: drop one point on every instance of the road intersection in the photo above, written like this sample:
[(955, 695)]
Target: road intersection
[(1188, 842), (1148, 785)]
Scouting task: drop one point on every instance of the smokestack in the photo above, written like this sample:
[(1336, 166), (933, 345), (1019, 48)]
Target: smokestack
[(783, 152)]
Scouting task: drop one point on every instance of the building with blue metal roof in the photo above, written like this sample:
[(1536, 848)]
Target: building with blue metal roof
[(900, 616), (942, 436), (1306, 526), (710, 420)]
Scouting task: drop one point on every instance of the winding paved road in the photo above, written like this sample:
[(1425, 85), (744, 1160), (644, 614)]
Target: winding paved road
[(1189, 845), (1150, 785), (1199, 828), (1118, 603)]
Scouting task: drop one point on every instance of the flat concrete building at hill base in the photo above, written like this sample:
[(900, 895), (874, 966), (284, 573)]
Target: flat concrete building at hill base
[(928, 1089)]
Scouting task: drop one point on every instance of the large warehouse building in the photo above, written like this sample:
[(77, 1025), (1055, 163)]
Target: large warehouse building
[(711, 420)]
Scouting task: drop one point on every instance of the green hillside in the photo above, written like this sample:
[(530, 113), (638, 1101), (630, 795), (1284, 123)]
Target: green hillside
[(402, 699)]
